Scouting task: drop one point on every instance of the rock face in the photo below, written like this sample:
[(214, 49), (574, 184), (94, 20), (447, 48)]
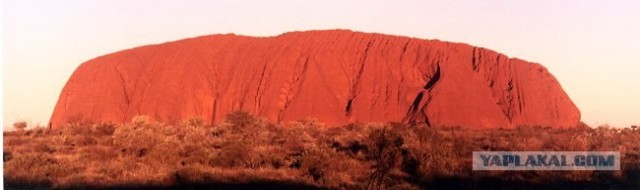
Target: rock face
[(335, 76)]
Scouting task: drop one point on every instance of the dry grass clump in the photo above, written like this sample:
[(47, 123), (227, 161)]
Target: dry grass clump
[(246, 152)]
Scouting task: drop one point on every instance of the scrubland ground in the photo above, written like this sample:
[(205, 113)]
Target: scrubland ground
[(248, 153)]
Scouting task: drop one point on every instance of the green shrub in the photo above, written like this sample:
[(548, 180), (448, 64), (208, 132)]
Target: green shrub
[(315, 162), (104, 129), (37, 167), (240, 119), (77, 129), (136, 140), (233, 154)]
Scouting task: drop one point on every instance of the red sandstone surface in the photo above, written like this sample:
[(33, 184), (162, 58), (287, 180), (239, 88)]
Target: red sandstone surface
[(334, 76)]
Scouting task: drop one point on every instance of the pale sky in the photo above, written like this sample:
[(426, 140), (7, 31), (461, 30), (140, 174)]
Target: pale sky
[(591, 46)]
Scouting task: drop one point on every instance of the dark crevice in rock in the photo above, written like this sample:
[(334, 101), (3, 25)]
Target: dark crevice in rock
[(356, 83), (474, 60), (262, 76), (348, 108), (304, 69), (280, 116), (289, 92), (521, 99), (404, 50), (415, 114), (426, 119), (433, 80), (506, 101), (124, 88), (214, 112), (416, 102)]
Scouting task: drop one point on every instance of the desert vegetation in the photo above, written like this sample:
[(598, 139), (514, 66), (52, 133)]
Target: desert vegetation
[(248, 152)]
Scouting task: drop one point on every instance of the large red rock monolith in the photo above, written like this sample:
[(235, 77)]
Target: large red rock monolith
[(335, 76)]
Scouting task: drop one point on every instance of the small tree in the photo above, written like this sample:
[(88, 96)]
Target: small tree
[(20, 125), (241, 119), (385, 144), (194, 122)]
